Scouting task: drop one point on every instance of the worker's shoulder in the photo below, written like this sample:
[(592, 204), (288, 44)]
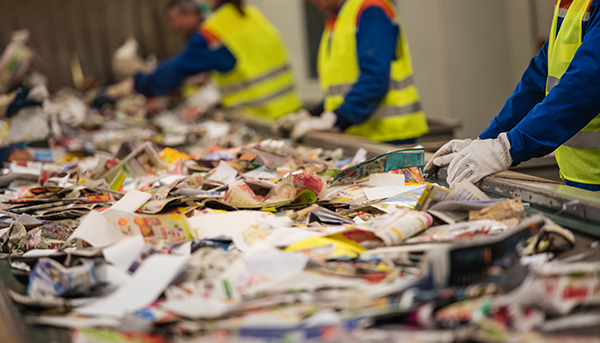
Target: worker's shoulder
[(385, 5), (205, 36)]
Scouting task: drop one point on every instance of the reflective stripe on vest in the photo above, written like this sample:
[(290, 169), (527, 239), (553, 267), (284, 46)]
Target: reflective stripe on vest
[(551, 82), (240, 86), (262, 81), (392, 111), (263, 101), (579, 157), (346, 88), (585, 140)]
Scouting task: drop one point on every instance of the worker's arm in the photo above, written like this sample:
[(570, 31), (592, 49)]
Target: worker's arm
[(569, 106), (529, 92), (203, 53), (376, 39)]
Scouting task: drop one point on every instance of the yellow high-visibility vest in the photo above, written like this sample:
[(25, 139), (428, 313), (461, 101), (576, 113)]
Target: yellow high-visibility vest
[(400, 115), (579, 157), (262, 82)]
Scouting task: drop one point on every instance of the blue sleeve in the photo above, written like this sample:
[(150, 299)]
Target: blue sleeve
[(569, 106), (529, 92), (376, 41), (196, 58)]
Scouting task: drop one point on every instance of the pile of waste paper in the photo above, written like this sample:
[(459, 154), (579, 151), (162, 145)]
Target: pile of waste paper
[(267, 242), (152, 221)]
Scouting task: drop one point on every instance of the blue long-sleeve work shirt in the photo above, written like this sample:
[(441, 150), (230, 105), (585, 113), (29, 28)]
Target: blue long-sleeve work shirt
[(376, 39), (202, 54), (537, 124)]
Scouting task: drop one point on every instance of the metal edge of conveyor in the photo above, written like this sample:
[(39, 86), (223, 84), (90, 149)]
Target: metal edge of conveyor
[(13, 320), (529, 193)]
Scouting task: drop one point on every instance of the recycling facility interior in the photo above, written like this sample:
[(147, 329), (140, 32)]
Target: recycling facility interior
[(468, 55)]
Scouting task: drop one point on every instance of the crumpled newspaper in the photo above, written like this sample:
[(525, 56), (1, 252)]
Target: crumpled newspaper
[(18, 240)]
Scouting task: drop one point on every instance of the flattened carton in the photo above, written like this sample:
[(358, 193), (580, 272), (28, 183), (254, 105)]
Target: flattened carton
[(395, 160)]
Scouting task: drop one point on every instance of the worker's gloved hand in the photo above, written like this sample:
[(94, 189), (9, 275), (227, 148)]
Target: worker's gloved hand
[(480, 159), (325, 122), (287, 123), (445, 154)]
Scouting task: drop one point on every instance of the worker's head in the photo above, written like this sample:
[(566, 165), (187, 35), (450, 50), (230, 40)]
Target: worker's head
[(184, 16), (326, 5), (239, 4)]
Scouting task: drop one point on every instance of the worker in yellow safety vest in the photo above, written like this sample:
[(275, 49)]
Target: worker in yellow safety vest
[(244, 52), (555, 108), (366, 74)]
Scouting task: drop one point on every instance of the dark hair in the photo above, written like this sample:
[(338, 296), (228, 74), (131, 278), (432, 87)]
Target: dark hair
[(185, 6), (239, 4)]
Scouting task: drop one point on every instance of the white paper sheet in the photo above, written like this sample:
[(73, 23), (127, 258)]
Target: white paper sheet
[(374, 193), (169, 179), (228, 224), (184, 249), (283, 237), (274, 263), (73, 321), (196, 307), (225, 173), (260, 175), (115, 276), (305, 280), (386, 179), (359, 157), (258, 267), (123, 253), (44, 252), (132, 201), (149, 281), (40, 253), (97, 230)]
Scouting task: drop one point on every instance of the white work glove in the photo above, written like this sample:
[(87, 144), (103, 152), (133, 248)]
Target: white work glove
[(206, 98), (480, 159), (287, 123), (325, 122), (445, 154)]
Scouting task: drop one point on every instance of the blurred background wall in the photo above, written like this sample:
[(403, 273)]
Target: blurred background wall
[(468, 54), (90, 29)]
